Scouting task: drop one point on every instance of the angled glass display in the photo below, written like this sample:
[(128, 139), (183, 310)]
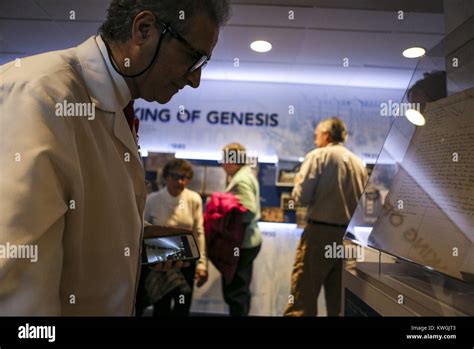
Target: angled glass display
[(419, 201)]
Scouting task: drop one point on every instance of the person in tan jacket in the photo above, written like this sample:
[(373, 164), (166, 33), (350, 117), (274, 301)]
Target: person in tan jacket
[(330, 182)]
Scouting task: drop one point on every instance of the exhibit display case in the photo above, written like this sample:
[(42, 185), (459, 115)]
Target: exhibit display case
[(418, 207)]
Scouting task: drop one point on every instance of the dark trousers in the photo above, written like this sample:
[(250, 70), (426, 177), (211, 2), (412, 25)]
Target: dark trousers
[(141, 301), (182, 301), (237, 292)]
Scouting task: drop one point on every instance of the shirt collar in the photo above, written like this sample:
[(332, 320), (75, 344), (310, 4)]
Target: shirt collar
[(171, 197), (240, 172), (122, 91)]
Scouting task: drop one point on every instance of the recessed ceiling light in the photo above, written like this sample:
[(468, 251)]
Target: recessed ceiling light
[(261, 46), (414, 52), (415, 117)]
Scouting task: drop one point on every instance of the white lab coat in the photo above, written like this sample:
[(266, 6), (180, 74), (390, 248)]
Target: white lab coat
[(67, 187)]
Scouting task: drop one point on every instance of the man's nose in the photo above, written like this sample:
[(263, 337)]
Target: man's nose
[(194, 78)]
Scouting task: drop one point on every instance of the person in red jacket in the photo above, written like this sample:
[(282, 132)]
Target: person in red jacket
[(223, 224)]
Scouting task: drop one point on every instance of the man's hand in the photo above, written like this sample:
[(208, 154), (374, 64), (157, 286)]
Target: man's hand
[(200, 277), (169, 265)]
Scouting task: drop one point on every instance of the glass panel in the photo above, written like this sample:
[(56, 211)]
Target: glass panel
[(419, 201)]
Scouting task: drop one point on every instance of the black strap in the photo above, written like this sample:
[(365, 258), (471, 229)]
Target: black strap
[(109, 51)]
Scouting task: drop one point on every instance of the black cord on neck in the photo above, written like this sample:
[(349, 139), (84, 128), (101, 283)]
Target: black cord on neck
[(163, 32)]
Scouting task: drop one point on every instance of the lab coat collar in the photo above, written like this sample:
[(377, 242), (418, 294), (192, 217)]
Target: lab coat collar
[(107, 89), (123, 92)]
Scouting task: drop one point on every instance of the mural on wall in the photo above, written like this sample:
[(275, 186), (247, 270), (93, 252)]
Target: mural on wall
[(269, 119)]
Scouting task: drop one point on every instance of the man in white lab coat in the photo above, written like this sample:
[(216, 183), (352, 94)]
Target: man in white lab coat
[(72, 186)]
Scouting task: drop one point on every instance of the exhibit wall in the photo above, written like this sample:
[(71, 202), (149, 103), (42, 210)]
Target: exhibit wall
[(269, 119)]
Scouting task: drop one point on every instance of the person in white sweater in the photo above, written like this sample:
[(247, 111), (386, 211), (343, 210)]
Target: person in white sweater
[(177, 206)]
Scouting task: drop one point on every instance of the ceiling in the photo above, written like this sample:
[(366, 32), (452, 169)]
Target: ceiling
[(435, 6), (309, 49)]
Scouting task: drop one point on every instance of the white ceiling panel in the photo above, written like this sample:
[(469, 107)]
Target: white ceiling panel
[(337, 19), (87, 10), (22, 9), (310, 75), (41, 36), (308, 49)]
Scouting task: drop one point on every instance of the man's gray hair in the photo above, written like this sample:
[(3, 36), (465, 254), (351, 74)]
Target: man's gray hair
[(336, 128), (121, 13)]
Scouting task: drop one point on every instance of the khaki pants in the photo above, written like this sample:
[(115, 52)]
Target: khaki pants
[(313, 270)]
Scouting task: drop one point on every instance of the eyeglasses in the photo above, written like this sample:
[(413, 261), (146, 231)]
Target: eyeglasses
[(201, 58), (178, 176)]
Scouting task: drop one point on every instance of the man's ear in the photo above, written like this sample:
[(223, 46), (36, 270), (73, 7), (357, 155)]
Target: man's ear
[(143, 27)]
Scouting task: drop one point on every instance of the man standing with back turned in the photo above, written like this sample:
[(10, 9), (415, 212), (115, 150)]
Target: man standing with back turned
[(330, 182), (73, 185)]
